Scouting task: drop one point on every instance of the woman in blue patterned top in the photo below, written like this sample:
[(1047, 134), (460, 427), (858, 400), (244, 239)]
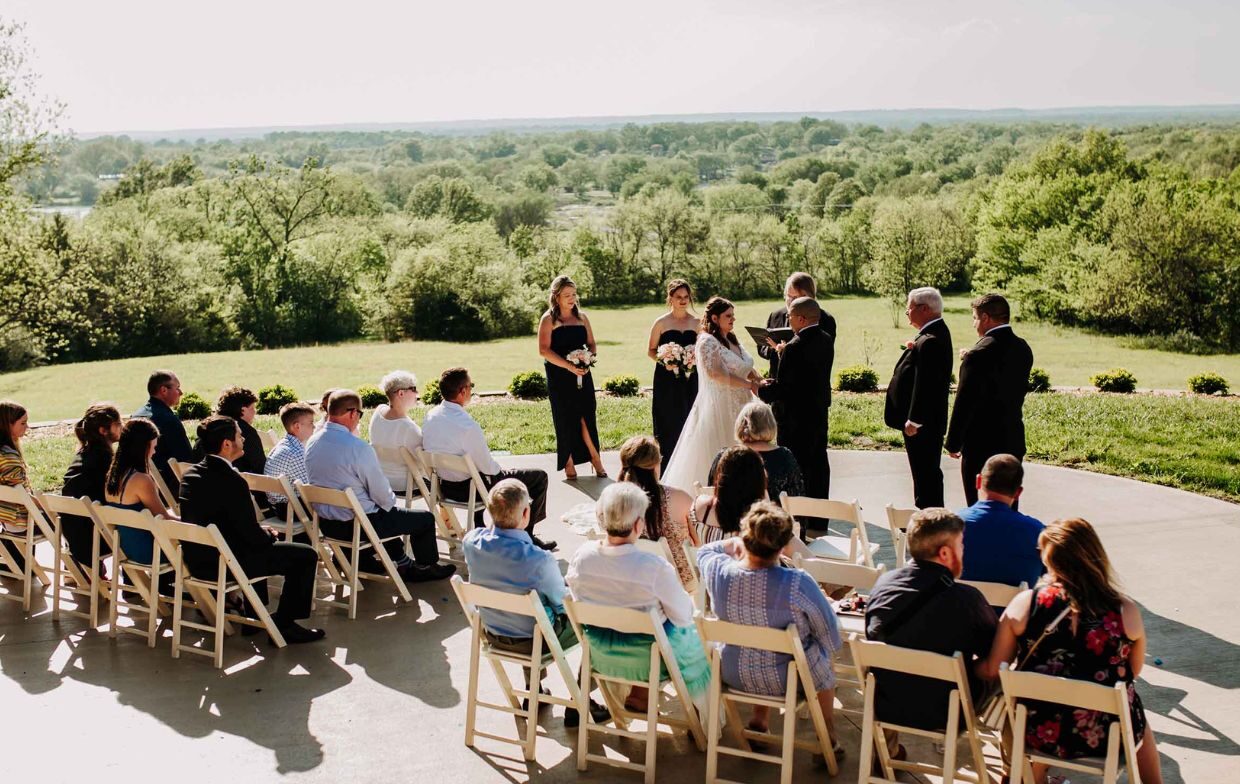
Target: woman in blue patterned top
[(748, 585)]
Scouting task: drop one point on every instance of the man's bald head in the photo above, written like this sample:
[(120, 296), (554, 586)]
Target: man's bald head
[(805, 308)]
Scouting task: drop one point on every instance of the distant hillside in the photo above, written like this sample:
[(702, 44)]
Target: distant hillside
[(1108, 116)]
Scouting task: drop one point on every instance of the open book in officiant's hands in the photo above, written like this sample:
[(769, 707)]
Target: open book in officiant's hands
[(779, 335)]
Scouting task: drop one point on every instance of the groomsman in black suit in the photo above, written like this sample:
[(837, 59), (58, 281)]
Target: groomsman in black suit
[(801, 395), (799, 284), (988, 418), (917, 395)]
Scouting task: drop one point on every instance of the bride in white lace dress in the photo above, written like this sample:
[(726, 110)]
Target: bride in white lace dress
[(726, 382)]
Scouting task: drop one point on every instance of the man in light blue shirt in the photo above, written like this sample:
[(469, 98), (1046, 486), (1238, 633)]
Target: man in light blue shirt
[(1000, 543), (338, 459)]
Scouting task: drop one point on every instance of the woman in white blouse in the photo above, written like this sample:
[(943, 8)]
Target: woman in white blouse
[(391, 426)]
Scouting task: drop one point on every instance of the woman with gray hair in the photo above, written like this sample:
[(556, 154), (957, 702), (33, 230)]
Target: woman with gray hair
[(391, 427), (615, 573), (756, 429)]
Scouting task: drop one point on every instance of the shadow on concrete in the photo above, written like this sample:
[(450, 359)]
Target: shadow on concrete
[(591, 486)]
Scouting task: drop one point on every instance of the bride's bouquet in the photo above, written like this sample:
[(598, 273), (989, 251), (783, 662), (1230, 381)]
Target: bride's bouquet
[(677, 359), (581, 358)]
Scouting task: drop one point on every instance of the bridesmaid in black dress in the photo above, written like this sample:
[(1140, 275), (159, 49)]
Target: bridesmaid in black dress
[(673, 395), (562, 330)]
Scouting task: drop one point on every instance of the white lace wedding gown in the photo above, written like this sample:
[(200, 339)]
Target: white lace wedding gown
[(711, 425)]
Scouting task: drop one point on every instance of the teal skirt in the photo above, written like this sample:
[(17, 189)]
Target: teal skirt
[(627, 656)]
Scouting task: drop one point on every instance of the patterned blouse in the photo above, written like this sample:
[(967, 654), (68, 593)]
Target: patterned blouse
[(676, 532), (13, 518)]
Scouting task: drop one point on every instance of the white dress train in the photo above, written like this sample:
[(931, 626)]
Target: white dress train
[(711, 425)]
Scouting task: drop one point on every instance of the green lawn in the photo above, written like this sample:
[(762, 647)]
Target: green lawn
[(1070, 356)]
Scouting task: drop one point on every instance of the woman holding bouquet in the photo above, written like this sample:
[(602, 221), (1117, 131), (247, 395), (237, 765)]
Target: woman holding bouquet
[(675, 381), (567, 346)]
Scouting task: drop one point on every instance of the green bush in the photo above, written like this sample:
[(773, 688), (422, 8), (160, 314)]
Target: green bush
[(371, 396), (430, 394), (193, 406), (1039, 380), (271, 399), (622, 386), (857, 378), (531, 385), (1208, 384), (1115, 380)]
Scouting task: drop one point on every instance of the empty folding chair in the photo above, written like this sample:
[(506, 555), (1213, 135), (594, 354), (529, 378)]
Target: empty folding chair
[(854, 548), (897, 521), (472, 599), (143, 578), (625, 621), (87, 589), (716, 633), (38, 530)]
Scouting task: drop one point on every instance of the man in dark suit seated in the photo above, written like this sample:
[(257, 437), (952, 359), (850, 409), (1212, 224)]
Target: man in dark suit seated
[(164, 389), (214, 493), (799, 284), (988, 418), (917, 395)]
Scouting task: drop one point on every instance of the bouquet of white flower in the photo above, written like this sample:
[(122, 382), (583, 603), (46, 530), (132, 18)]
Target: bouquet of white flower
[(581, 358), (678, 359)]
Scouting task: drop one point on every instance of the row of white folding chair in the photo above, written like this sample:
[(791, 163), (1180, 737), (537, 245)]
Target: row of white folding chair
[(37, 531)]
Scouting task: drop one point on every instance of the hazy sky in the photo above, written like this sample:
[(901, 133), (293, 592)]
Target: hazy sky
[(155, 64)]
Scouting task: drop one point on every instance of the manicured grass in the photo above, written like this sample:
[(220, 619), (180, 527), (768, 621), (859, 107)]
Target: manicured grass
[(865, 324), (1187, 442)]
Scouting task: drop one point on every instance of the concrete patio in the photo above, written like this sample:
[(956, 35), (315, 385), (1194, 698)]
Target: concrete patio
[(383, 698)]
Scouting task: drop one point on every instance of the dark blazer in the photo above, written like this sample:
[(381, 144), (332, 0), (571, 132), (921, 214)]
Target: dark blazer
[(173, 442), (988, 417), (254, 460), (213, 492), (919, 385), (801, 394), (87, 474), (779, 320)]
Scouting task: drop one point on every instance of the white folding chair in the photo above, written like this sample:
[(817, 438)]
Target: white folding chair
[(897, 521), (473, 598), (178, 469), (38, 530), (165, 492), (658, 547), (268, 439), (715, 634), (416, 483), (1078, 694), (961, 722), (210, 594), (701, 489), (700, 598), (450, 528), (854, 548), (997, 594), (143, 577), (88, 587), (347, 552), (583, 614)]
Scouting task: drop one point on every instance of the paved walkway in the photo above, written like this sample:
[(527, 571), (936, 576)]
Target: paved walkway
[(383, 698)]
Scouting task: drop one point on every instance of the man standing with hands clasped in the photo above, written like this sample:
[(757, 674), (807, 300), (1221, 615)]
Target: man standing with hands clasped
[(917, 395), (988, 418)]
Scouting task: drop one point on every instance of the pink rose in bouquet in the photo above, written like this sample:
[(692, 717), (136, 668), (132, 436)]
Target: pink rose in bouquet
[(581, 358)]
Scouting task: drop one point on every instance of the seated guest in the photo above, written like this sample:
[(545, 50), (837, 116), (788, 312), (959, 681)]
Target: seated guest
[(1077, 626), (667, 517), (615, 573), (164, 389), (748, 585), (756, 429), (740, 482), (239, 403), (129, 486), (288, 457), (338, 459), (1000, 543), (96, 432), (390, 425), (214, 493), (504, 558), (14, 518), (449, 429), (921, 606)]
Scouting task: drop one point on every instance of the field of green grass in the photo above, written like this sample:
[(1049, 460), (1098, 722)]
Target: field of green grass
[(867, 335)]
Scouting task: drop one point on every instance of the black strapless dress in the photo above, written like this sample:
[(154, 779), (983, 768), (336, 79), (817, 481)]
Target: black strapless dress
[(570, 405), (673, 396)]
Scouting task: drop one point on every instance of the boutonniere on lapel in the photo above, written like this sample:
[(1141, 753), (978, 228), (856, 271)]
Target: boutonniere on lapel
[(909, 344), (964, 352)]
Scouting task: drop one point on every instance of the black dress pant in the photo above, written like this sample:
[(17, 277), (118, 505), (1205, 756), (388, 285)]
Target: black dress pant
[(924, 452), (79, 536), (297, 564), (811, 455), (971, 464), (418, 525), (534, 479)]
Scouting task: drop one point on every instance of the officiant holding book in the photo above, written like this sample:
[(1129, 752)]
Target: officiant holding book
[(799, 284)]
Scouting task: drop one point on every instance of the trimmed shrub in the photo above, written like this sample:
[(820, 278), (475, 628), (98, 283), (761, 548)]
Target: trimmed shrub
[(271, 399), (1039, 380), (622, 386), (857, 378), (531, 385), (430, 394), (193, 406), (1115, 380), (1208, 384), (371, 396)]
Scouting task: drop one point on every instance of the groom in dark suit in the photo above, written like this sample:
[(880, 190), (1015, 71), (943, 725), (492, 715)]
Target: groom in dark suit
[(917, 395), (801, 395), (988, 418), (799, 284)]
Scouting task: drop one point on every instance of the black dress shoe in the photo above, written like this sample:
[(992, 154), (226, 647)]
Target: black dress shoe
[(294, 633), (598, 713), (546, 544), (414, 573)]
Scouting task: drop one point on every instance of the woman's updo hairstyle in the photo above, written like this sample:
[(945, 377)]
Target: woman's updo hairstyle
[(716, 306), (553, 298), (765, 530)]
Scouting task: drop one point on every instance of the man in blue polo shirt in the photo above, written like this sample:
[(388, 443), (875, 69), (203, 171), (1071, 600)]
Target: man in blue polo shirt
[(1000, 543)]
